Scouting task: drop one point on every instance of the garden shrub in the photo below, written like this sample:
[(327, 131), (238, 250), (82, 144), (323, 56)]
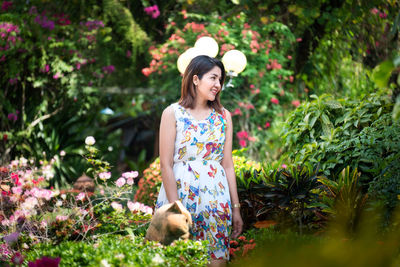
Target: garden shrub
[(339, 133), (149, 185), (117, 250)]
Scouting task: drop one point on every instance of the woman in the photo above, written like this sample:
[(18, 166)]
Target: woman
[(196, 158)]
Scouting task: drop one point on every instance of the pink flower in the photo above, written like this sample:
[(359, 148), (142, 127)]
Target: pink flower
[(105, 175), (249, 106), (296, 103), (284, 166), (56, 76), (116, 206), (382, 15), (61, 218), (256, 91), (131, 174), (146, 71), (242, 143), (152, 11), (242, 135), (128, 53), (289, 57), (133, 206), (129, 181), (120, 182), (252, 139), (237, 111), (374, 11), (299, 40), (267, 125), (291, 79), (274, 101), (252, 86), (80, 196)]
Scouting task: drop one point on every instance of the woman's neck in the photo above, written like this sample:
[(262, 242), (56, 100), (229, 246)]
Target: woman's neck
[(200, 104)]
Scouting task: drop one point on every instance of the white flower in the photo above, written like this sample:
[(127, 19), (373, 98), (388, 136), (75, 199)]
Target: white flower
[(116, 206), (90, 140), (157, 260), (120, 182), (80, 196), (133, 206), (104, 263), (29, 203), (105, 175), (61, 218), (64, 196), (59, 203), (62, 153), (110, 148), (120, 256), (132, 174), (129, 181)]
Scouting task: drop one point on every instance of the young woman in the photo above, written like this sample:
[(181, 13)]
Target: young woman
[(196, 158)]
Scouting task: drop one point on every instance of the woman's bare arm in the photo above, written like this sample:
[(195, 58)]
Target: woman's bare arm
[(167, 144), (227, 163)]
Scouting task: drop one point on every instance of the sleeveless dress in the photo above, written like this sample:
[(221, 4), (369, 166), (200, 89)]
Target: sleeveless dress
[(200, 178)]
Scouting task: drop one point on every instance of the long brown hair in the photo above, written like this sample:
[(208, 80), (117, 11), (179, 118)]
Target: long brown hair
[(199, 66)]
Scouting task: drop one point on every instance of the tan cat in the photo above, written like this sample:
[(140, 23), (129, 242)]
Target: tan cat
[(170, 222)]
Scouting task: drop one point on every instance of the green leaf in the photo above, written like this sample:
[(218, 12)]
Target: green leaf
[(382, 72)]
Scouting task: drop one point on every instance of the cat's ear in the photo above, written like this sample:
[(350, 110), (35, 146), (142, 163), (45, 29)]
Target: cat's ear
[(177, 207)]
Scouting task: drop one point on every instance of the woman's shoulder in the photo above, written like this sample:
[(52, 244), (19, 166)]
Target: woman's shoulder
[(169, 112), (225, 113)]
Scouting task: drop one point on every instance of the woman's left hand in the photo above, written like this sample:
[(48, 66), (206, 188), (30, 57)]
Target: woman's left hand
[(237, 223)]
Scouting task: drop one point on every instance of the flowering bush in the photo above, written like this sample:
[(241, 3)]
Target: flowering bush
[(149, 185), (260, 94), (32, 214)]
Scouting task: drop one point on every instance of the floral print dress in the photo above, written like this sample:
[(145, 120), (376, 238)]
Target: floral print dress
[(200, 178)]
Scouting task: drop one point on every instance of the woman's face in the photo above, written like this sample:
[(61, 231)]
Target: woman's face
[(209, 85)]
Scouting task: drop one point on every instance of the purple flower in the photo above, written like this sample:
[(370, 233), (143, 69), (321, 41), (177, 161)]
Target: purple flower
[(45, 262), (6, 5), (108, 69), (12, 117), (11, 238), (152, 11), (32, 10), (17, 259)]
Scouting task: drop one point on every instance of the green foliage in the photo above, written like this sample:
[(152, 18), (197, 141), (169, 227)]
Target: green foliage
[(289, 196), (338, 133), (345, 199), (123, 251), (57, 58), (291, 249)]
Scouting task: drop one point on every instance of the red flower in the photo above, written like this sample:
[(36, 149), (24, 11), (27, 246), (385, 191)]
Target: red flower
[(5, 137), (242, 238), (237, 112), (146, 72), (242, 143), (274, 100), (296, 103), (267, 124), (242, 135)]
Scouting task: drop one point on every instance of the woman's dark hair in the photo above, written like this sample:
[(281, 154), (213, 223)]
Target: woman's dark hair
[(199, 66)]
